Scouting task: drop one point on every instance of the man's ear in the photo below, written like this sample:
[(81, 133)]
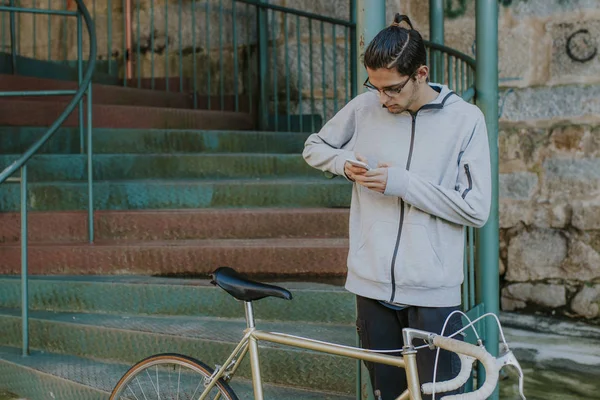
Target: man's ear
[(422, 74)]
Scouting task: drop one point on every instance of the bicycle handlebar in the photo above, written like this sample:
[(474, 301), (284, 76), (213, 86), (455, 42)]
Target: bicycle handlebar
[(455, 383), (487, 360)]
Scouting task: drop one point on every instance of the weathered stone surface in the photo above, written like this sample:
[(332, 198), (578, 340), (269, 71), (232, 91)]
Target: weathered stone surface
[(551, 215), (587, 302), (535, 255), (546, 103), (568, 138), (518, 185), (586, 214), (513, 212), (582, 263), (568, 178), (520, 149), (517, 296), (575, 50), (547, 8)]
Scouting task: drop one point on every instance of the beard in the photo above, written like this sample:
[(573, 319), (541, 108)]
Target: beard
[(400, 108)]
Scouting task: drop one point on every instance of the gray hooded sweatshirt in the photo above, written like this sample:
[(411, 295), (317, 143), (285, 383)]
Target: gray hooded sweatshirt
[(407, 244)]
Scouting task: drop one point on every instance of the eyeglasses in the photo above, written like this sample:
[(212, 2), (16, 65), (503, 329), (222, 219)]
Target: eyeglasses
[(391, 91)]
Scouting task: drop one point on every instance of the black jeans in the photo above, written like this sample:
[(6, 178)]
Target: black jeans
[(380, 327)]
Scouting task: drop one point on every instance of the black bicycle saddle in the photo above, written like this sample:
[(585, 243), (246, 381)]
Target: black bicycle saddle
[(245, 289)]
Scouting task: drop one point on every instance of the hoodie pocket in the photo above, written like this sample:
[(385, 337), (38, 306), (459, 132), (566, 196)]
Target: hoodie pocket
[(373, 256), (418, 263)]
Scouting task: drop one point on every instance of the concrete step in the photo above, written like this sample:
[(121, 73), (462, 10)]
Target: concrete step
[(45, 375), (177, 194), (129, 338), (65, 226), (73, 167), (102, 94), (283, 257), (40, 113), (16, 140), (145, 295)]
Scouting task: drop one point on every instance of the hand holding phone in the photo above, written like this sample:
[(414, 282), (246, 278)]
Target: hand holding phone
[(357, 163)]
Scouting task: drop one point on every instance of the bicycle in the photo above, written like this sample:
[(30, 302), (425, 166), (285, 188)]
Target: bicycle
[(201, 381)]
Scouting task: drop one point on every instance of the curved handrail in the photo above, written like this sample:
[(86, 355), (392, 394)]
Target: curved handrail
[(453, 52), (87, 78)]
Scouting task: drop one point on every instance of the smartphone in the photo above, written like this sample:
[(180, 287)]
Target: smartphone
[(357, 163)]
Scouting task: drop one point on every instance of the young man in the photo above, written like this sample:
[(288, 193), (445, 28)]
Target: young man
[(429, 176)]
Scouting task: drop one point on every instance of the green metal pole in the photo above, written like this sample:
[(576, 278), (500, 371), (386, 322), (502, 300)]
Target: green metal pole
[(24, 277), (486, 82), (370, 19), (263, 61), (436, 34), (13, 39), (353, 51)]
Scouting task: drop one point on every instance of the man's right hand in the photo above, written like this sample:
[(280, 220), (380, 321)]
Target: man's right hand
[(352, 170)]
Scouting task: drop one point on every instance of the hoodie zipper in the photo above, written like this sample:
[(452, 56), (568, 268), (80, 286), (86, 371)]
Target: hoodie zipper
[(469, 179), (410, 152)]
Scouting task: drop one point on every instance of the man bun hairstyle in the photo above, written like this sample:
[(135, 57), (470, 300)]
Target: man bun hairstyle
[(397, 47)]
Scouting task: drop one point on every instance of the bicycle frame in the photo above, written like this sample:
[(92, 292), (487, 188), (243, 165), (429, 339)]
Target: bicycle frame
[(249, 343)]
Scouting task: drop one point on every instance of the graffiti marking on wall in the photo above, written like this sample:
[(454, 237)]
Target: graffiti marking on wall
[(581, 46)]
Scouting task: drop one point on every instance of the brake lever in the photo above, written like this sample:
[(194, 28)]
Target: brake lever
[(508, 358)]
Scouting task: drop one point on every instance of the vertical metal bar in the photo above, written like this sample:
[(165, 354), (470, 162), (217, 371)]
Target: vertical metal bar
[(110, 36), (287, 72), (235, 53), (299, 68), (194, 55), (221, 68), (436, 34), (465, 285), (323, 83), (24, 264), (208, 78), (49, 32), (275, 89), (310, 74), (334, 44), (34, 5), (457, 86), (80, 77), (450, 72), (126, 54), (4, 31), (180, 28), (13, 39), (250, 108), (152, 44), (370, 19), (167, 46), (346, 91), (487, 99), (255, 367), (353, 51), (65, 38), (90, 171), (471, 246), (262, 21), (138, 53)]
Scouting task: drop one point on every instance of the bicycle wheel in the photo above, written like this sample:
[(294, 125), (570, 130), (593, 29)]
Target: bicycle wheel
[(169, 376)]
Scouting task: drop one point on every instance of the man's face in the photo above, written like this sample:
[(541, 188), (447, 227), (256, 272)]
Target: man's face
[(396, 92)]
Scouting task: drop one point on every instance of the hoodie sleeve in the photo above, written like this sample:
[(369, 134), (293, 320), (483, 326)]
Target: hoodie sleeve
[(468, 203), (327, 149)]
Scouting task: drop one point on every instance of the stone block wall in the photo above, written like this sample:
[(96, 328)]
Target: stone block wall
[(549, 139)]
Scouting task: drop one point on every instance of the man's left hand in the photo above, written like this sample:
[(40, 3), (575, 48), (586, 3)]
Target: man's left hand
[(375, 179)]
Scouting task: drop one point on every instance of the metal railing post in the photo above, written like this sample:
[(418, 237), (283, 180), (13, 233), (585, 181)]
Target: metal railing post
[(370, 19), (24, 277), (436, 35), (486, 83), (13, 38), (263, 61)]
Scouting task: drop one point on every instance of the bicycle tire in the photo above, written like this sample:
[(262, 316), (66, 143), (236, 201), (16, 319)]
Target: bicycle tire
[(190, 363)]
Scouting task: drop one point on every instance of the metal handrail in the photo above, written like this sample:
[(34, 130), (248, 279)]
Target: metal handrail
[(21, 163), (299, 13), (87, 78), (453, 52)]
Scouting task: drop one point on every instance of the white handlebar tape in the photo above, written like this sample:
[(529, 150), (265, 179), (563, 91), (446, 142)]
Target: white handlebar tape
[(455, 383), (487, 360)]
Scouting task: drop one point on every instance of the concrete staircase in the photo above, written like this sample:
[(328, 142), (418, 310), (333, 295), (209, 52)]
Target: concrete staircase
[(178, 193)]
